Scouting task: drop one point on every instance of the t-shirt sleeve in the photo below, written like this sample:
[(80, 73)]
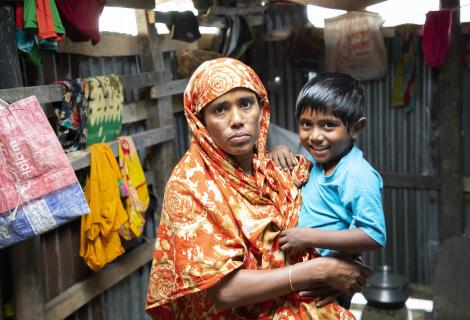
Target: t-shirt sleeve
[(361, 194)]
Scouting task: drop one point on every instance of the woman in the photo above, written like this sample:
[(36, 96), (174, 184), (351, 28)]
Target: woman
[(217, 253)]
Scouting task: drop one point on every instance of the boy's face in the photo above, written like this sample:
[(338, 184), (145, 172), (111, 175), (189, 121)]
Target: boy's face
[(326, 137)]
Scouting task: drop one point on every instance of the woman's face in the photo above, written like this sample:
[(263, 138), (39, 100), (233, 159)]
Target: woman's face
[(232, 121)]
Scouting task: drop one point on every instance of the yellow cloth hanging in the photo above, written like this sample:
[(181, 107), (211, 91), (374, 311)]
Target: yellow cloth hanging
[(99, 237), (137, 199)]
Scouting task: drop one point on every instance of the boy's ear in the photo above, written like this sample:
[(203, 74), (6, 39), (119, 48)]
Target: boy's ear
[(357, 127)]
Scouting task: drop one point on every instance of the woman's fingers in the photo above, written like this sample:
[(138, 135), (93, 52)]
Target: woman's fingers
[(320, 291)]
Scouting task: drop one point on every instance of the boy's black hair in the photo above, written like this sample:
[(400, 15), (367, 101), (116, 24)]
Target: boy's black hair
[(338, 93)]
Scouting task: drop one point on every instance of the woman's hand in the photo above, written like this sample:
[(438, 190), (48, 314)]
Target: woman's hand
[(345, 274), (282, 156), (333, 275)]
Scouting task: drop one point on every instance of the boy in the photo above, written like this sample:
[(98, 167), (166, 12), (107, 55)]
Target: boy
[(341, 202)]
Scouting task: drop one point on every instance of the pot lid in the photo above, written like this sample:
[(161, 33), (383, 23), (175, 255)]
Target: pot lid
[(385, 279)]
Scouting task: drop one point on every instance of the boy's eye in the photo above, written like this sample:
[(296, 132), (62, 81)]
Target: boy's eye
[(329, 125), (305, 124)]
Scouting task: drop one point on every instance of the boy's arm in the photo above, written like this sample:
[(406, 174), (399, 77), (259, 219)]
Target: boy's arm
[(347, 241)]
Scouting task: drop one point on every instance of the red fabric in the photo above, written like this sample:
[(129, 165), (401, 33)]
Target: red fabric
[(81, 19), (19, 20), (436, 36)]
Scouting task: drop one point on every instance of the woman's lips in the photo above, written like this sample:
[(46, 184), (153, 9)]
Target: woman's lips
[(239, 138)]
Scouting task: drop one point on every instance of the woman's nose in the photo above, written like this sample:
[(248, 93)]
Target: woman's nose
[(236, 118)]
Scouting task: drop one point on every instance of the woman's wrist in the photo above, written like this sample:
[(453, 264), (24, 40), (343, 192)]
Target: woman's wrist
[(321, 270), (308, 273)]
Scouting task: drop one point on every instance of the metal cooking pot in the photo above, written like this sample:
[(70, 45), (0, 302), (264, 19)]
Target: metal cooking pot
[(386, 290)]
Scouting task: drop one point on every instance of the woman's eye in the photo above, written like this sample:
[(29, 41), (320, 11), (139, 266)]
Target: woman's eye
[(219, 110), (245, 104)]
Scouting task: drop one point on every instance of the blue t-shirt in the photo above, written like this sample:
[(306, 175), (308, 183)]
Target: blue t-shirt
[(349, 198)]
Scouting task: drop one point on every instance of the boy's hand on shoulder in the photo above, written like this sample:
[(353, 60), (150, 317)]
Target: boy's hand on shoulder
[(295, 240), (282, 156)]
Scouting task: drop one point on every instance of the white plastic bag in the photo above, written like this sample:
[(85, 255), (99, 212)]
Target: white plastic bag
[(354, 44)]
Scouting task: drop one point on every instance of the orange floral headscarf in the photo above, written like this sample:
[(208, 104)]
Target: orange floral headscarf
[(216, 218)]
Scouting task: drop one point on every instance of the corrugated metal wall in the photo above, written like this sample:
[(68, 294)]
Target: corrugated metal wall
[(394, 141), (399, 141)]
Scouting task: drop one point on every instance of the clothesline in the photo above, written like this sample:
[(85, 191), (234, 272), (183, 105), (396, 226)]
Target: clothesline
[(459, 7)]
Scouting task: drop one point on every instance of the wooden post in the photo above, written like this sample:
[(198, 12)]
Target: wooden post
[(25, 257), (163, 157), (11, 75), (449, 133)]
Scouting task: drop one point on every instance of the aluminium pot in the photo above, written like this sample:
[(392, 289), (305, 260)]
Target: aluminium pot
[(386, 290)]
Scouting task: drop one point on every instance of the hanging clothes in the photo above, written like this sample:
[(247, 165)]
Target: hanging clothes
[(81, 19), (41, 21), (135, 191), (405, 50), (105, 107), (99, 236), (184, 26), (41, 17), (239, 36), (72, 114), (436, 37)]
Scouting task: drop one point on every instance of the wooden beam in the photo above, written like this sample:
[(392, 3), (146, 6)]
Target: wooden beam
[(228, 11), (168, 89), (449, 138), (81, 293), (81, 159), (412, 181), (54, 92), (203, 21), (134, 111), (348, 5), (132, 4), (110, 45)]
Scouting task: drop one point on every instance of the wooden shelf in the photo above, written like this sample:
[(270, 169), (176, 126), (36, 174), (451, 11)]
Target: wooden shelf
[(54, 92), (81, 159), (409, 180)]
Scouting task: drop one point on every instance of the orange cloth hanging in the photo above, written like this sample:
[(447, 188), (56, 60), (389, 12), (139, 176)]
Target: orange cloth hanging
[(46, 11), (137, 197), (99, 237)]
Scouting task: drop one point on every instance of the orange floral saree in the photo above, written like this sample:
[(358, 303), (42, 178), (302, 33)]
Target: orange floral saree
[(216, 219)]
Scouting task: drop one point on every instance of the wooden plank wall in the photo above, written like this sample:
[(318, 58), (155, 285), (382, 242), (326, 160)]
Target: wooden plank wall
[(66, 288)]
